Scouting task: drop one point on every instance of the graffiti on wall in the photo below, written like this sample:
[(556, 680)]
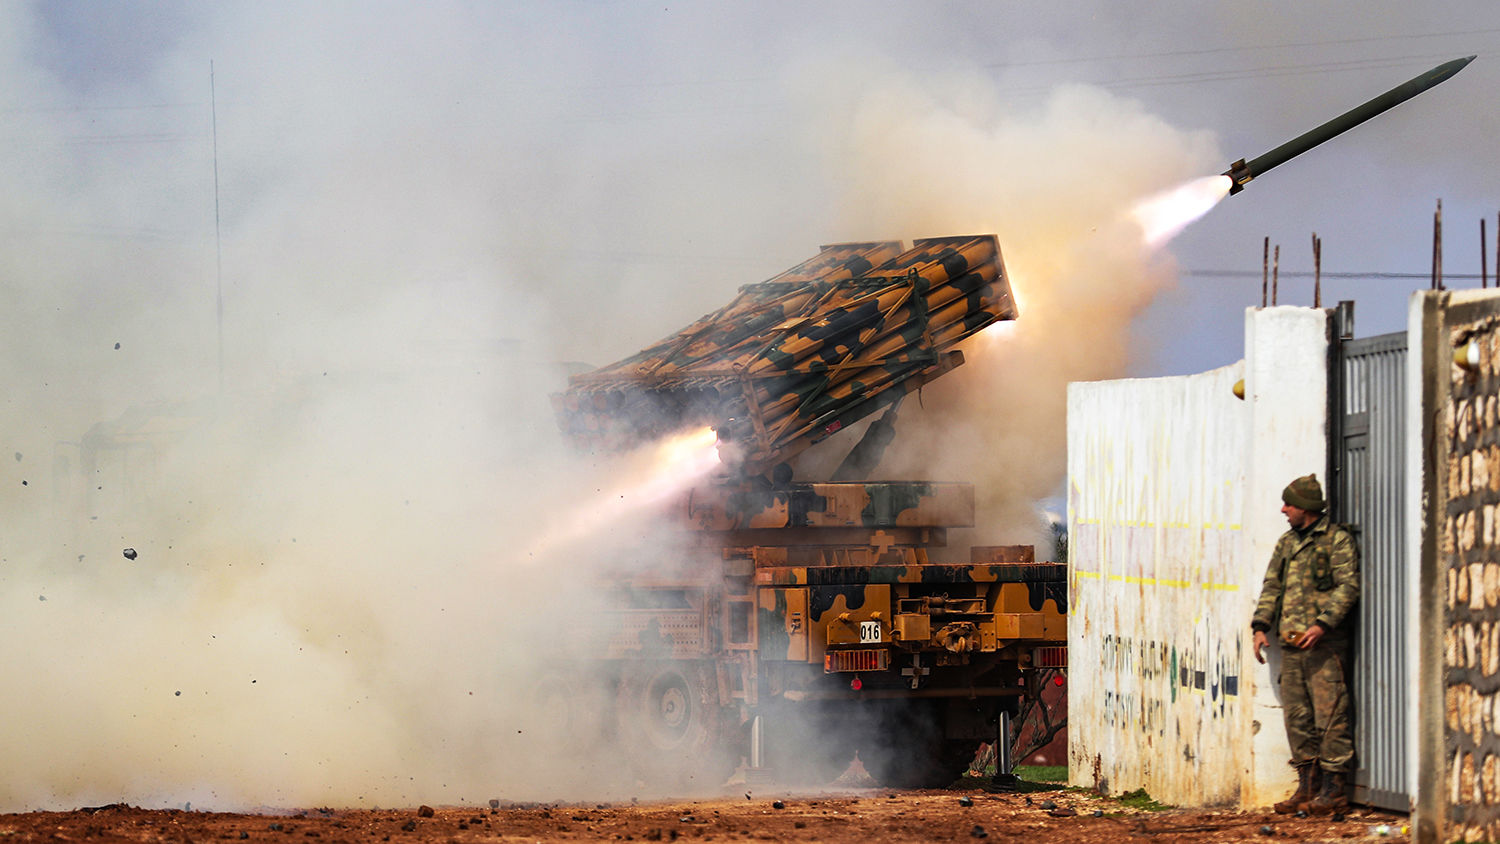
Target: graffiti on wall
[(1162, 671), (1156, 623)]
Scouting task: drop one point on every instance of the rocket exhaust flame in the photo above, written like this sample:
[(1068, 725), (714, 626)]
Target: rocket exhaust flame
[(1163, 216), (646, 477)]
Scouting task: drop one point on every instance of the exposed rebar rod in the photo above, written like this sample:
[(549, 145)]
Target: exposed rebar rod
[(1265, 268), (1317, 247), (1437, 247), (1275, 268)]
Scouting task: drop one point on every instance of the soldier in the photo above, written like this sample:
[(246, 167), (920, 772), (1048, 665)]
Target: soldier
[(1311, 586)]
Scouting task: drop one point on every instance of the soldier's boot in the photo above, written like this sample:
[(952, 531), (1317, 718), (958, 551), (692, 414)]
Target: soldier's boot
[(1307, 789), (1331, 797)]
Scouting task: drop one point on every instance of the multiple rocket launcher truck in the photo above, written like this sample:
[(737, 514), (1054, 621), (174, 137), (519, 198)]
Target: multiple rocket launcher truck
[(809, 621), (820, 607)]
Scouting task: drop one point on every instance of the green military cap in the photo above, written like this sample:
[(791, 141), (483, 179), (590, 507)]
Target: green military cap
[(1305, 493)]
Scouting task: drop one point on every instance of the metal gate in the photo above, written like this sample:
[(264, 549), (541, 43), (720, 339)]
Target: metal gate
[(1368, 492)]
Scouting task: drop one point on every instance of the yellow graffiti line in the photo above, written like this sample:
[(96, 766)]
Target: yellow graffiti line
[(1161, 581), (1144, 523), (1128, 578)]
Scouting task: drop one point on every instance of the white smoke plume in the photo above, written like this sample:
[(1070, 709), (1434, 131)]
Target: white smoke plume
[(1057, 183), (329, 601)]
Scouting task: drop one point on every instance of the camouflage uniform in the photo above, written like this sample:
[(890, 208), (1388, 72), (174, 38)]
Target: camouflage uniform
[(1313, 578)]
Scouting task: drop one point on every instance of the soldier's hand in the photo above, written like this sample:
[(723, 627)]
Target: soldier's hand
[(1260, 642), (1311, 637)]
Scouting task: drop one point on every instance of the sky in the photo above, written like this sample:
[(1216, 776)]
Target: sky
[(644, 140), (287, 288)]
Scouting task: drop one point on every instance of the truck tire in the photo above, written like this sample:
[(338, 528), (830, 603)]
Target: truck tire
[(673, 728), (569, 712), (567, 725)]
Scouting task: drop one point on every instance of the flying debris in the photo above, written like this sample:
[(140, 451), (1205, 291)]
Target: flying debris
[(1241, 172)]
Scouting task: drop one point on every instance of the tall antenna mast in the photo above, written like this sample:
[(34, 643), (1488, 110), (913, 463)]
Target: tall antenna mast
[(213, 107)]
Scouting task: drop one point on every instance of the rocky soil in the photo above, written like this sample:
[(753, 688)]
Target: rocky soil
[(852, 815)]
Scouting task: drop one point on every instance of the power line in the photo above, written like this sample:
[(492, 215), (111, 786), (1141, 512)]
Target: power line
[(684, 112), (1277, 71), (1186, 78), (82, 108), (1247, 48), (1325, 274)]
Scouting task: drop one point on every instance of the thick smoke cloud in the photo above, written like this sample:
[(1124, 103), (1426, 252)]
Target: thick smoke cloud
[(427, 214), (1056, 182), (321, 605)]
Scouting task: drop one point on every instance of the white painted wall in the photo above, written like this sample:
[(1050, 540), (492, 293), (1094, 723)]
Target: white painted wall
[(1424, 667), (1174, 507), (1286, 389), (1156, 477)]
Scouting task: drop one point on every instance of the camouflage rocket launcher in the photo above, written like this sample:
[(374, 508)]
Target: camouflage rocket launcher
[(811, 621), (799, 357)]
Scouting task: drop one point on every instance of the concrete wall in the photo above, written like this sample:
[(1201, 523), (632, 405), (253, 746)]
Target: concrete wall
[(1174, 498), (1154, 504), (1455, 464), (1286, 392), (1147, 460)]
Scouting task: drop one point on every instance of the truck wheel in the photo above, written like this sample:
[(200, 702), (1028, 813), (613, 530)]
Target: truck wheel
[(567, 711), (674, 728), (568, 724)]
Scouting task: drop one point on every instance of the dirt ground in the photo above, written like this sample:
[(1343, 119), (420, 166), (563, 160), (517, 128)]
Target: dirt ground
[(862, 815)]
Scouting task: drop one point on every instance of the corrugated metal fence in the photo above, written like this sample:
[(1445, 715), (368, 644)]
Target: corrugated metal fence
[(1369, 493)]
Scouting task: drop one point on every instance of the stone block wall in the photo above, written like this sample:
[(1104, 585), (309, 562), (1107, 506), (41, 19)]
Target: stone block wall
[(1468, 563)]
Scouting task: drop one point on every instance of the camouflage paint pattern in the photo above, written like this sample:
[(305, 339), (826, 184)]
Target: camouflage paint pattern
[(962, 611), (1312, 577), (800, 356), (1316, 707), (871, 603), (783, 624), (658, 621), (734, 506)]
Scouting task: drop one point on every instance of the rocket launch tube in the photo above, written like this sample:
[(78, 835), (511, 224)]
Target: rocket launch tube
[(791, 351), (789, 359), (749, 314), (1241, 172)]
